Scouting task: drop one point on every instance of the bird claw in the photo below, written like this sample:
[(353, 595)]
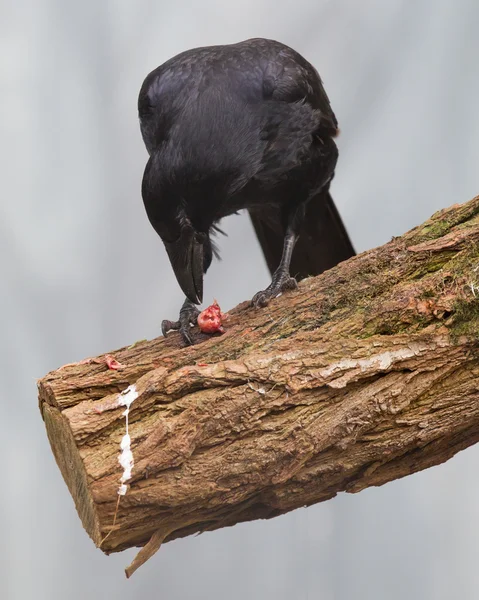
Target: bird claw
[(167, 326), (188, 317), (280, 284)]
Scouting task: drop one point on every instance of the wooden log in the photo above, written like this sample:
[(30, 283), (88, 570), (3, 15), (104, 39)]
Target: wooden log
[(365, 374)]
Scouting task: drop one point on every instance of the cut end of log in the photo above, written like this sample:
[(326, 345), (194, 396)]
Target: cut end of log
[(72, 469)]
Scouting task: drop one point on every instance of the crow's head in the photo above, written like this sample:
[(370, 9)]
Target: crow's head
[(185, 233)]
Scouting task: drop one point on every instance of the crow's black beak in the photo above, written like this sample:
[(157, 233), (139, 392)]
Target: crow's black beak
[(186, 257)]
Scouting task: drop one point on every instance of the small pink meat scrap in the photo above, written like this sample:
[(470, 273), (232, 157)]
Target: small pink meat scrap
[(211, 319), (113, 364)]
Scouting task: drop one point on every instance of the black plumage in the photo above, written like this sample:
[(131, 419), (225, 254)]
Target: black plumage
[(241, 126)]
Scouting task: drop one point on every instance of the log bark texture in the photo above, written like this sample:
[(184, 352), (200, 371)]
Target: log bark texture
[(365, 374)]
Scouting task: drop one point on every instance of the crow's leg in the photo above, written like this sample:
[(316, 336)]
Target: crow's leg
[(292, 218), (281, 280), (188, 317)]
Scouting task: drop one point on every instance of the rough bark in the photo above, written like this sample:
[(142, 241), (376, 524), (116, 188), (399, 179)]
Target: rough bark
[(365, 374)]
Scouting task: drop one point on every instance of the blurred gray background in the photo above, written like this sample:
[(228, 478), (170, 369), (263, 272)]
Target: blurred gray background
[(83, 273)]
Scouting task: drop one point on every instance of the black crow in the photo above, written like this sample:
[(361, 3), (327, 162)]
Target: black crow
[(244, 125)]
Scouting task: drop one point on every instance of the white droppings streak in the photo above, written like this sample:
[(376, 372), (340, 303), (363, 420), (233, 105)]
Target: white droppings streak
[(126, 398)]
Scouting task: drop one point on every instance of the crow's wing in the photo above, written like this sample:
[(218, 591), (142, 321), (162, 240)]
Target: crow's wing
[(323, 241)]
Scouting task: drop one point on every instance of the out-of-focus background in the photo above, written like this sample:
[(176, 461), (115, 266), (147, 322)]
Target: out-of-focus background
[(83, 273)]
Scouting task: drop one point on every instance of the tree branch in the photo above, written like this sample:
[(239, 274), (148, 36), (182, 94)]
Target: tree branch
[(365, 374)]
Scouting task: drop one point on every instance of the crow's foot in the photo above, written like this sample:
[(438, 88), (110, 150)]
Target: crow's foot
[(188, 317), (282, 282)]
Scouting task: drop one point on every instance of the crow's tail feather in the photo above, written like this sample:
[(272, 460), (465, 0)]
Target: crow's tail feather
[(322, 244)]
